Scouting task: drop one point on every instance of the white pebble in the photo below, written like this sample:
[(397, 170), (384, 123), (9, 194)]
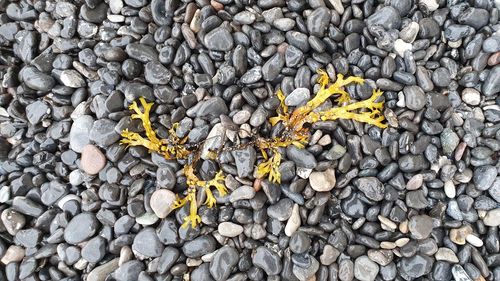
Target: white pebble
[(229, 229), (449, 189), (400, 47), (474, 240), (293, 222), (431, 5)]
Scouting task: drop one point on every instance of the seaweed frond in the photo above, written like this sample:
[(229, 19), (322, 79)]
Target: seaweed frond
[(270, 167), (295, 132)]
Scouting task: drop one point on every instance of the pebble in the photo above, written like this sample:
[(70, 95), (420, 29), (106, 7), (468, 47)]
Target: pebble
[(420, 226), (323, 181), (458, 235), (12, 221), (449, 141), (36, 111), (146, 243), (411, 200), (387, 17), (298, 97), (79, 133), (100, 272), (484, 176), (37, 80), (304, 273), (474, 240), (492, 218), (445, 254), (162, 202), (93, 160), (293, 222), (267, 260), (317, 21), (459, 273), (371, 187), (400, 47), (414, 97), (199, 246), (242, 193), (365, 269), (471, 96), (13, 254), (415, 266), (71, 78), (80, 228), (219, 39), (223, 262), (229, 229)]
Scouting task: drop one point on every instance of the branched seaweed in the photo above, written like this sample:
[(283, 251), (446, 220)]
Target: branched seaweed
[(295, 133)]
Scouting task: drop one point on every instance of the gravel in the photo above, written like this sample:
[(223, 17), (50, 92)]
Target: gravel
[(417, 200)]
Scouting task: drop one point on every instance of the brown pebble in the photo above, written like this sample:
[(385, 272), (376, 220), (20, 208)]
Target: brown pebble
[(190, 10), (217, 6), (257, 184), (93, 161), (494, 59), (13, 254)]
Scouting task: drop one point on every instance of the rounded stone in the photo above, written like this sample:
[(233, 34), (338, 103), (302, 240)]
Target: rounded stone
[(93, 160), (162, 202)]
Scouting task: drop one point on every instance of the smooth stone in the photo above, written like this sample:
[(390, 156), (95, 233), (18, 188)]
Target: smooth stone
[(80, 228), (242, 193), (298, 97), (400, 47), (141, 52), (491, 85), (323, 181), (199, 246), (71, 78), (229, 229), (365, 269), (416, 266), (129, 271), (93, 160), (94, 250), (317, 21), (267, 260), (449, 141), (101, 272), (223, 262), (414, 97), (471, 96), (301, 157), (446, 254), (484, 176), (162, 202), (387, 17), (371, 187), (219, 39), (157, 74), (293, 222), (281, 210), (492, 218), (420, 226), (146, 243), (37, 80), (36, 111)]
